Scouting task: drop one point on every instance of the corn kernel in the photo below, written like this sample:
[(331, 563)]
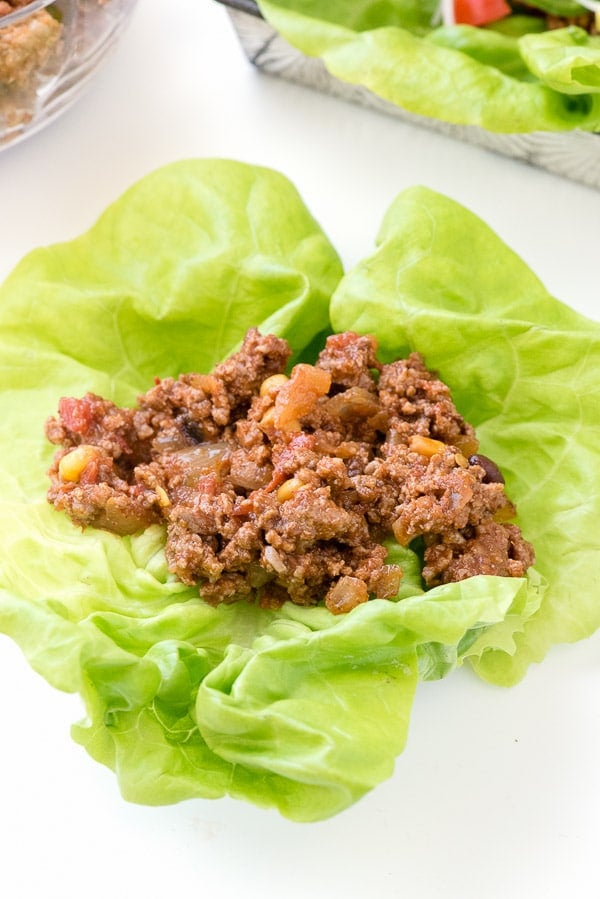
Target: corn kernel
[(402, 538), (425, 446), (288, 489), (163, 497), (272, 384), (71, 466)]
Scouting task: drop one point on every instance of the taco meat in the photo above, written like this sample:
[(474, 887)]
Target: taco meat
[(276, 486)]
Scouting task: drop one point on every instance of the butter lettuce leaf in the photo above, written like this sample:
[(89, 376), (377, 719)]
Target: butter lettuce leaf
[(296, 708), (506, 78), (567, 60), (560, 7), (525, 370)]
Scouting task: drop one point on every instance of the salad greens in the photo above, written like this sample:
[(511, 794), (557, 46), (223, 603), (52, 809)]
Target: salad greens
[(559, 7), (296, 708), (510, 76)]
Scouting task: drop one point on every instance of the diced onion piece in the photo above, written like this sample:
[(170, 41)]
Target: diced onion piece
[(171, 440), (200, 460), (346, 450), (356, 402), (258, 575), (299, 396), (207, 383), (386, 583), (268, 420), (505, 513), (347, 593), (467, 444), (274, 560), (119, 518), (247, 474)]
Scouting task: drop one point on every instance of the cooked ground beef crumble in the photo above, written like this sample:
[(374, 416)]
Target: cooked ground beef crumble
[(276, 487), (586, 20), (27, 45)]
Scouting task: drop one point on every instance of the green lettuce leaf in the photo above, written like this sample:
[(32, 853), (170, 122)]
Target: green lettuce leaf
[(525, 370), (567, 59), (559, 7), (496, 78), (295, 709)]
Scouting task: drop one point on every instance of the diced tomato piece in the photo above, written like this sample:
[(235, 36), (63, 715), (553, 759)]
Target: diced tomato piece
[(76, 414), (480, 12)]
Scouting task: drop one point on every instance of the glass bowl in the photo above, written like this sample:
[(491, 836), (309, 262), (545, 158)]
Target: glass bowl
[(48, 51)]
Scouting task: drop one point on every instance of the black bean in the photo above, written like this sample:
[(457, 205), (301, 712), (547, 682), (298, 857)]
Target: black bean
[(493, 475), (191, 429)]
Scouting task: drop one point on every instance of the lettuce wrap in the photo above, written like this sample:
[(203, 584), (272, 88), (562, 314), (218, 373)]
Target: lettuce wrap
[(296, 708), (510, 76)]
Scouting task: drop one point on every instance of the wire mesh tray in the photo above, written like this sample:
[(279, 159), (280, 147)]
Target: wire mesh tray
[(574, 155)]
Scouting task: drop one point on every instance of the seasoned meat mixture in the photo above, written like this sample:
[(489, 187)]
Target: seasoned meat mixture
[(8, 6), (584, 19), (25, 46), (587, 20), (276, 487)]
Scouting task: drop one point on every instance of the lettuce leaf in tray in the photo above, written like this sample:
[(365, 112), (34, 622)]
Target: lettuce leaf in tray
[(296, 708), (511, 76)]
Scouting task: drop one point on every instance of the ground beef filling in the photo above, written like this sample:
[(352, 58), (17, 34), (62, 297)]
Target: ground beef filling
[(586, 20), (26, 46), (276, 487)]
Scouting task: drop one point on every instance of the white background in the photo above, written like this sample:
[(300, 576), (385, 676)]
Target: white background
[(497, 795)]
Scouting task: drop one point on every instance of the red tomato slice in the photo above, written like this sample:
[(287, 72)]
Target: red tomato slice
[(479, 12)]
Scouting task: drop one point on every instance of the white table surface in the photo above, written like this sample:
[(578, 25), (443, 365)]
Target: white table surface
[(497, 795)]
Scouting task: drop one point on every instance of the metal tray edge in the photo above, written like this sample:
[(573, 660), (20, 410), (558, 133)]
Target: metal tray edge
[(574, 155)]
